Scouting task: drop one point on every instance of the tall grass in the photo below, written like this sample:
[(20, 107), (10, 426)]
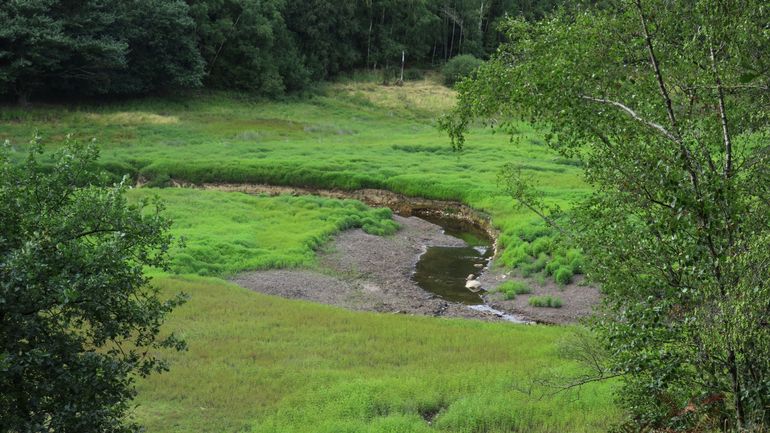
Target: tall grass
[(262, 364)]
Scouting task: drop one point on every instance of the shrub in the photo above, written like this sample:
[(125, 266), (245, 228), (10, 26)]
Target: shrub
[(459, 68), (545, 302)]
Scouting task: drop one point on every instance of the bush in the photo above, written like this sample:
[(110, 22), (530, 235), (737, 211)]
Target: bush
[(563, 275), (545, 302), (512, 288), (459, 68)]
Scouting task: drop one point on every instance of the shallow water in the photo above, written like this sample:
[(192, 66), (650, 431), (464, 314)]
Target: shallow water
[(443, 271)]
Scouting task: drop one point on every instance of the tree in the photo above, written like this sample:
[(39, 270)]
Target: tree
[(667, 105), (162, 50), (96, 47), (79, 319), (48, 44), (247, 46)]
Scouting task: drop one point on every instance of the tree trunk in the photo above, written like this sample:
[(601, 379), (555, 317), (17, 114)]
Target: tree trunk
[(738, 400)]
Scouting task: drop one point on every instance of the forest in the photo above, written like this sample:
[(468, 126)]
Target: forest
[(95, 47)]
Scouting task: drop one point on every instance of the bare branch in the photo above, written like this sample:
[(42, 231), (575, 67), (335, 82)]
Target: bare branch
[(655, 126)]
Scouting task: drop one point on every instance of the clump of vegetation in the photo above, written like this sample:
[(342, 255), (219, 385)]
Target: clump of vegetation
[(545, 302), (79, 317), (563, 275), (512, 288), (460, 68)]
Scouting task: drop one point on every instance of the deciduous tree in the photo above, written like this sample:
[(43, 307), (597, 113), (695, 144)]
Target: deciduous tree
[(667, 104)]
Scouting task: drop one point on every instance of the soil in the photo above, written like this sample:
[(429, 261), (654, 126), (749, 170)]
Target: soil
[(364, 272)]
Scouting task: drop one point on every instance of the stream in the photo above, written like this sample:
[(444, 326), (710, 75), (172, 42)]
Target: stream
[(444, 271)]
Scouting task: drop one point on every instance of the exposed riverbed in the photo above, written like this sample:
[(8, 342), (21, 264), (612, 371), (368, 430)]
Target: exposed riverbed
[(422, 269)]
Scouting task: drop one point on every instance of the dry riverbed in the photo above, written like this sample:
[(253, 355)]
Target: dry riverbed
[(364, 272)]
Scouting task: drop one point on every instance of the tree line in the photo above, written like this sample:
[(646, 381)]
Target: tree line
[(269, 47)]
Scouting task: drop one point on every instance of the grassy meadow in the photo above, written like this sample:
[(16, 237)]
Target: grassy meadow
[(349, 135), (262, 364)]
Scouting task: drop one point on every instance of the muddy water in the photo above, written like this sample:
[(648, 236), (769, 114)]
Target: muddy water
[(443, 271)]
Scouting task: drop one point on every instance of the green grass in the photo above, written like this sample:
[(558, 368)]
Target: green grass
[(512, 288), (262, 364), (229, 232), (546, 302), (352, 135)]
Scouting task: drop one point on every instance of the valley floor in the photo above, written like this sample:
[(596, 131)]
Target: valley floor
[(260, 363)]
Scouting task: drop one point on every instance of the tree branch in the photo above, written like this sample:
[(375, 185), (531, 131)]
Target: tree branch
[(655, 126), (723, 117)]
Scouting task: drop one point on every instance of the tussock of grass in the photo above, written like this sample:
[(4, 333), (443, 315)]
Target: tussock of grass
[(545, 302), (231, 232), (512, 288), (262, 364)]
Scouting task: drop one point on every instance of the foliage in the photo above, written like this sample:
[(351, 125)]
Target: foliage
[(93, 47), (459, 68), (267, 47), (237, 38), (78, 316), (545, 302), (666, 104)]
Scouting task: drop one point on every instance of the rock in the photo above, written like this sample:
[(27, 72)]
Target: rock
[(479, 265), (470, 277), (473, 285)]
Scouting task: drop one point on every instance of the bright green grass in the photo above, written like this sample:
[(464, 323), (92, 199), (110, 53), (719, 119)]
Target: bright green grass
[(229, 232), (262, 364), (354, 135)]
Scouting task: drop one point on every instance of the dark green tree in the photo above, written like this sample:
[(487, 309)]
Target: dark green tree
[(162, 49), (79, 320), (667, 105), (55, 44), (96, 47), (246, 45)]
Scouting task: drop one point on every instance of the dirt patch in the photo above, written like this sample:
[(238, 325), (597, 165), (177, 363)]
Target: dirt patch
[(365, 272), (579, 298)]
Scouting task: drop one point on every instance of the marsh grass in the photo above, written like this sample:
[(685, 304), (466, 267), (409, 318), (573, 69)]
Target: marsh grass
[(350, 135), (263, 364), (226, 233), (510, 289), (546, 302)]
